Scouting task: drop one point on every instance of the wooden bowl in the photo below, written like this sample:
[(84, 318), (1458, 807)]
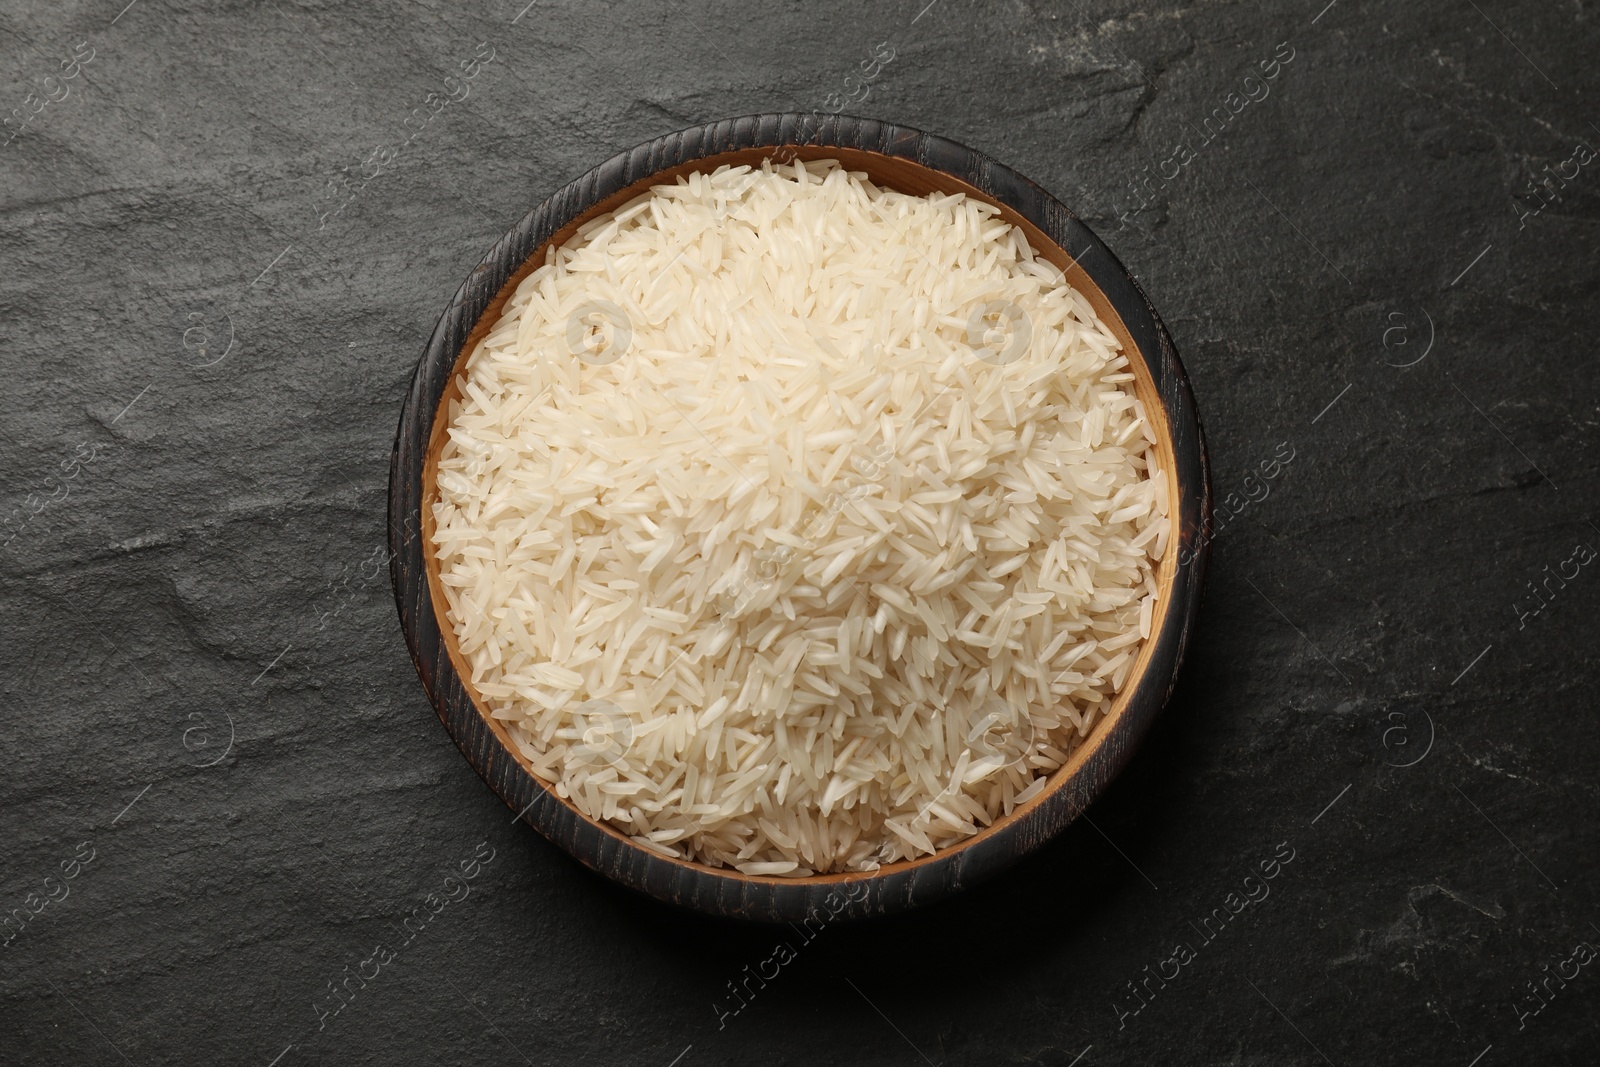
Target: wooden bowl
[(912, 162)]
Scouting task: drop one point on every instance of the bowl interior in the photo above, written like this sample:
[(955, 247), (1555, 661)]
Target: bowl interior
[(904, 176)]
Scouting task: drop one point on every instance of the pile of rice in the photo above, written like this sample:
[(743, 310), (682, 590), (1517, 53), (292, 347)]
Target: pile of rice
[(798, 525)]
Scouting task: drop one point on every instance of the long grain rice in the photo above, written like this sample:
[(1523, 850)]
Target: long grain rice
[(798, 525)]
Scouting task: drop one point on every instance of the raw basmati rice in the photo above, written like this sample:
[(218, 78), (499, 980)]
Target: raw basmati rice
[(797, 525)]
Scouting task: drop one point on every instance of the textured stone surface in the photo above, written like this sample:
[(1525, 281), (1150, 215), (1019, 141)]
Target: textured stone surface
[(197, 566)]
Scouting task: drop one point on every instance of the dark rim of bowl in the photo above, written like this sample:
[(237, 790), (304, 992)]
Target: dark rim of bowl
[(726, 892)]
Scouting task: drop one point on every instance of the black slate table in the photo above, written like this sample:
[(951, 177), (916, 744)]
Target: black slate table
[(229, 812)]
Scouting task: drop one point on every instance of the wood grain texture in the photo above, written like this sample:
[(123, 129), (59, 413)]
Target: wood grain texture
[(912, 162)]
